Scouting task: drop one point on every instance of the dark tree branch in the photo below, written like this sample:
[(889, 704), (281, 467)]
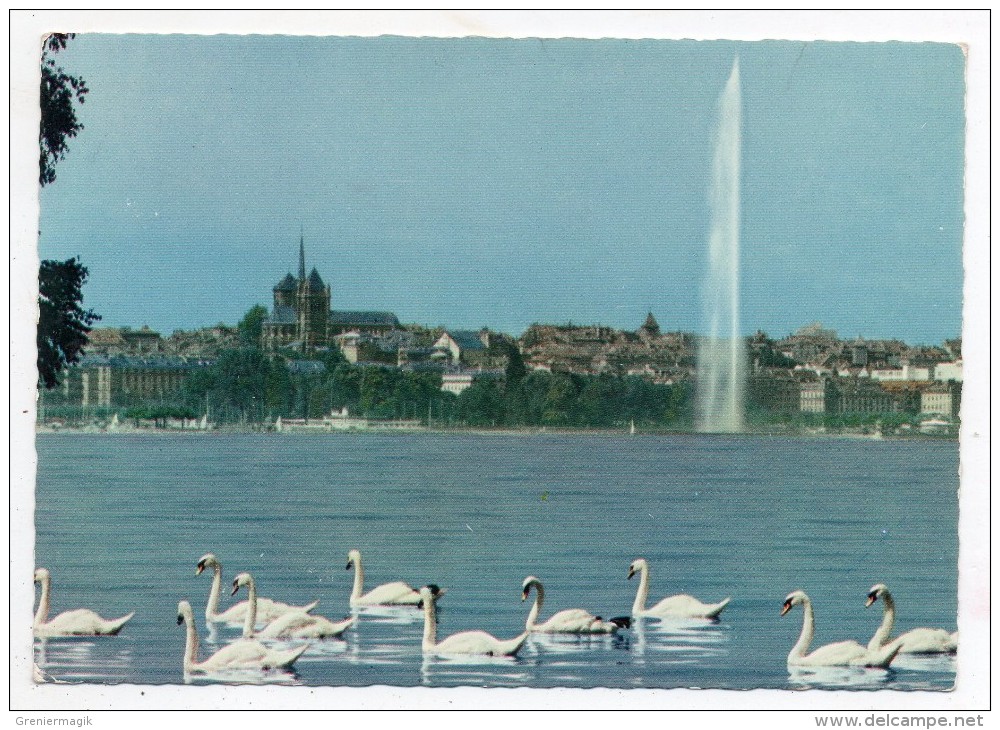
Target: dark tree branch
[(63, 325), (58, 121)]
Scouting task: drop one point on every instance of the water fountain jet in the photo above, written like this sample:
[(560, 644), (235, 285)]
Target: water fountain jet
[(721, 352)]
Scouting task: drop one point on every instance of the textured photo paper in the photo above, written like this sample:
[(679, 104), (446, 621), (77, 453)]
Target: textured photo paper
[(669, 332)]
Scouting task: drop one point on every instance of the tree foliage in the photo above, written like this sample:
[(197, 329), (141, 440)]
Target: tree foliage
[(515, 369), (251, 325), (241, 381), (63, 325), (58, 124), (575, 401)]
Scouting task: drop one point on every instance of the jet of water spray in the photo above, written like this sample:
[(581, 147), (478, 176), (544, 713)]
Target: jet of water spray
[(721, 352)]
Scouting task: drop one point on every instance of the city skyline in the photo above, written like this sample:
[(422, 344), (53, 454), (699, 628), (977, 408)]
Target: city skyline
[(496, 183)]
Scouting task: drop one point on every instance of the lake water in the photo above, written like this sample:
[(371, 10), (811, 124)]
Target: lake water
[(122, 520)]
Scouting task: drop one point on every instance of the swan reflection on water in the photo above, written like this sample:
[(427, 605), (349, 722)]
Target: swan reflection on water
[(540, 643), (400, 615), (80, 658), (693, 637), (838, 677), (319, 649), (472, 670), (244, 676), (944, 663)]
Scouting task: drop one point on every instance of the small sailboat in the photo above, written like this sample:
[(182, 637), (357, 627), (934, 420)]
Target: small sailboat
[(631, 427)]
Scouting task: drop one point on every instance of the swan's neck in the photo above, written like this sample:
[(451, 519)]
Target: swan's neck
[(643, 593), (430, 624), (191, 646), (42, 614), (881, 637), (251, 620), (212, 609), (359, 580), (808, 629), (536, 608)]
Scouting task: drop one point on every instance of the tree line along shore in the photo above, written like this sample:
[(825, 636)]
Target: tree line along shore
[(552, 377)]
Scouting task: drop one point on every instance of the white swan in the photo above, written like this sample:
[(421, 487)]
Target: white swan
[(290, 625), (679, 606), (570, 621), (388, 594), (267, 610), (840, 654), (78, 622), (916, 641), (464, 642), (244, 654)]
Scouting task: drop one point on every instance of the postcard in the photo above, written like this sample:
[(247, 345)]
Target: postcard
[(586, 355)]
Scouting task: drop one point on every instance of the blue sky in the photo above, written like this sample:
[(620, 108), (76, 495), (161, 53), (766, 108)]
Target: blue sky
[(485, 182)]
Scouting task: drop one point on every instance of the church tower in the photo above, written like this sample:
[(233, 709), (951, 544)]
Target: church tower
[(312, 305), (302, 256)]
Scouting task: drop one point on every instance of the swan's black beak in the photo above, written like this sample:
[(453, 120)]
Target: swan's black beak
[(180, 619), (786, 607), (622, 622), (348, 566), (236, 587), (872, 597), (631, 572), (524, 595), (201, 567)]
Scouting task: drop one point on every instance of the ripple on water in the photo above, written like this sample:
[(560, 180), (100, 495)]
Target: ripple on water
[(466, 513)]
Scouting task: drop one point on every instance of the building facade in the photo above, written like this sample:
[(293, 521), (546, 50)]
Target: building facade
[(121, 381)]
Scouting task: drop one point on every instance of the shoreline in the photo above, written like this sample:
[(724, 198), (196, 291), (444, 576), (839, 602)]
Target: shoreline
[(479, 431)]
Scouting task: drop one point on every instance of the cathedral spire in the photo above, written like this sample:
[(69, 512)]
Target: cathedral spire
[(302, 256)]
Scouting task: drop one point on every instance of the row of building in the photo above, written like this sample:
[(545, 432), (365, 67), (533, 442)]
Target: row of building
[(126, 381), (791, 394), (810, 371)]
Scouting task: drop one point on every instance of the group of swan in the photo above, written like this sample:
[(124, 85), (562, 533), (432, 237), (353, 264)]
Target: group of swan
[(263, 618), (567, 621), (277, 621), (881, 650), (235, 615)]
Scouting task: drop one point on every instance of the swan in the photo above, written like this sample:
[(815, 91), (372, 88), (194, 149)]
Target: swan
[(387, 594), (291, 625), (570, 621), (78, 622), (267, 610), (464, 642), (916, 641), (840, 654), (680, 606), (240, 655)]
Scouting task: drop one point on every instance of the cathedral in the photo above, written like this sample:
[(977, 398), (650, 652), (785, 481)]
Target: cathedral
[(301, 317)]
